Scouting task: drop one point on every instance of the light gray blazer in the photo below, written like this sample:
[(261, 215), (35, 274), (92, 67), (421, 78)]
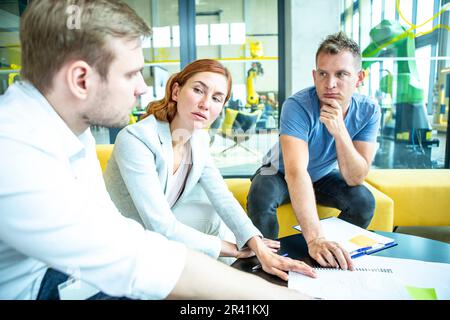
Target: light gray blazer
[(138, 173)]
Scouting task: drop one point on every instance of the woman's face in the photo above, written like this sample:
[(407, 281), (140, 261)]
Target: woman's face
[(200, 99)]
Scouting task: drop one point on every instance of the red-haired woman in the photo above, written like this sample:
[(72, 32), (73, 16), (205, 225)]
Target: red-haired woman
[(162, 175)]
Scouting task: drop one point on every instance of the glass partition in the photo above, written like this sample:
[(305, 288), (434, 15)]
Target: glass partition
[(9, 44), (406, 58), (243, 35), (161, 53)]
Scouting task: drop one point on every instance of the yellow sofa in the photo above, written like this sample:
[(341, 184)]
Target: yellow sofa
[(103, 153), (421, 196), (382, 221)]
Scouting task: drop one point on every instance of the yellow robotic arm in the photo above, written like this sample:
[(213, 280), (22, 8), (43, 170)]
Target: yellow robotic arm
[(12, 76), (252, 73)]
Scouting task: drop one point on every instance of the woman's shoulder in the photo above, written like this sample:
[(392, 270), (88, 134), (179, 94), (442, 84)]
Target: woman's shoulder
[(146, 124)]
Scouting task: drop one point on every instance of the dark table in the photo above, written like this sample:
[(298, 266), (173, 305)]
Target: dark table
[(409, 247)]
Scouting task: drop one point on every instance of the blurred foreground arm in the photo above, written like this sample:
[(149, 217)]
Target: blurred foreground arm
[(206, 278)]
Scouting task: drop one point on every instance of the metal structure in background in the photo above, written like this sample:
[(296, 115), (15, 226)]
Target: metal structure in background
[(390, 38), (413, 132), (281, 57), (22, 5), (188, 49), (447, 144)]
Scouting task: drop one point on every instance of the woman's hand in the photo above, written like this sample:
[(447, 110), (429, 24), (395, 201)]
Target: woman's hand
[(245, 253), (275, 264), (280, 266), (273, 245), (230, 249)]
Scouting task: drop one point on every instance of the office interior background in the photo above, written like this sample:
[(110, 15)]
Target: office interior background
[(269, 46)]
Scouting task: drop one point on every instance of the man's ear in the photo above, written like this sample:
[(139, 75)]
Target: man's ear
[(175, 91), (79, 78), (361, 77)]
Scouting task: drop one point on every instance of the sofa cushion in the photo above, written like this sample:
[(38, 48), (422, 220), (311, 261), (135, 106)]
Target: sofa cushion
[(230, 116), (103, 153), (421, 196), (245, 121)]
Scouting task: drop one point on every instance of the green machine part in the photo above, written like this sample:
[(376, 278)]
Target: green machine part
[(391, 39)]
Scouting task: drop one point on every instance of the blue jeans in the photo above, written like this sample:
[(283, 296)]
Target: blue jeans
[(269, 191), (49, 287)]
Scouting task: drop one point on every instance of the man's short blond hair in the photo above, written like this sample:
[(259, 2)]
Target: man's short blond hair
[(53, 32), (338, 42)]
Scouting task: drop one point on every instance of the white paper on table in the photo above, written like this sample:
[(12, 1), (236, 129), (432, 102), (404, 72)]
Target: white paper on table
[(415, 273), (384, 279)]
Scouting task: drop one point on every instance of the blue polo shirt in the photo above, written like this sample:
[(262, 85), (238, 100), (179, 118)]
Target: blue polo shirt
[(300, 119)]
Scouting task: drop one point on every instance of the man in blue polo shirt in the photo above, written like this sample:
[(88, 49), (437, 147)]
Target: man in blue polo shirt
[(321, 127)]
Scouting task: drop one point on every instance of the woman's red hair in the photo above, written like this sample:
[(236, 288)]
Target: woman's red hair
[(165, 109)]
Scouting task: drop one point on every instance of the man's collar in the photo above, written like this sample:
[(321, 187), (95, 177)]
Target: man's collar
[(72, 144)]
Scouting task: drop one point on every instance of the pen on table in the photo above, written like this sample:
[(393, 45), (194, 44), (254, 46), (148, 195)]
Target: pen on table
[(259, 266), (375, 248), (359, 252), (363, 249)]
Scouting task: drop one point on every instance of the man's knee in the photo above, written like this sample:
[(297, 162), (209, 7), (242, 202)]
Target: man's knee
[(363, 203), (261, 210), (262, 204), (366, 199)]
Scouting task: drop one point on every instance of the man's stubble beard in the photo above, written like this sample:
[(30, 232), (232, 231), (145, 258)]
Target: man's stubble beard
[(100, 112)]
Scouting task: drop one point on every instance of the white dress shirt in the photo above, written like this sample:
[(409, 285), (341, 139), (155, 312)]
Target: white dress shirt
[(55, 211)]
